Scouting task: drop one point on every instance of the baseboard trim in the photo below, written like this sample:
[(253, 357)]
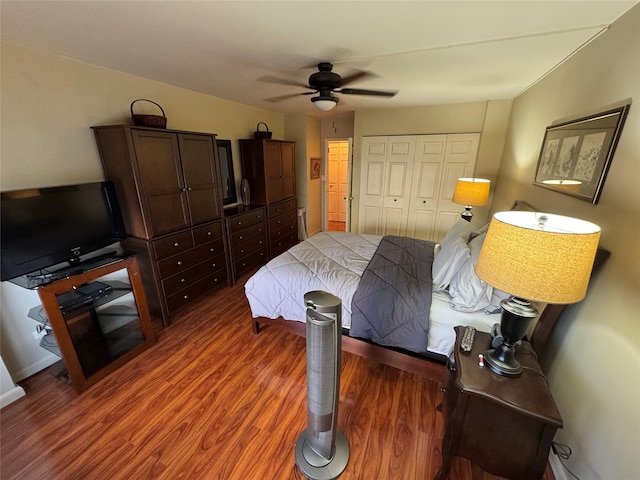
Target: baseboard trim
[(11, 396), (556, 465), (34, 368)]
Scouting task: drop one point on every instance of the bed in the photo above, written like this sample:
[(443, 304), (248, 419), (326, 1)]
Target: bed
[(345, 263)]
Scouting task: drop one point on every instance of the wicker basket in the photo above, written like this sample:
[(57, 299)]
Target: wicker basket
[(155, 121), (261, 133)]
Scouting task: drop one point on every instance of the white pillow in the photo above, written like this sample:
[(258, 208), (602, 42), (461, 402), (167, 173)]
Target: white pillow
[(468, 292), (453, 253)]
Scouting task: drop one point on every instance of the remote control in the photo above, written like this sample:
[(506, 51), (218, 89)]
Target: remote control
[(467, 339)]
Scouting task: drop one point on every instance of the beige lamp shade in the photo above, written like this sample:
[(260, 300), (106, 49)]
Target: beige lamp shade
[(539, 256), (472, 191)]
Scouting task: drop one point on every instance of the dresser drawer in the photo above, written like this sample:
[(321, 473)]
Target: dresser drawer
[(194, 291), (283, 243), (282, 231), (179, 263), (207, 233), (254, 231), (283, 219), (251, 245), (240, 222), (257, 257), (286, 206), (172, 245), (191, 275)]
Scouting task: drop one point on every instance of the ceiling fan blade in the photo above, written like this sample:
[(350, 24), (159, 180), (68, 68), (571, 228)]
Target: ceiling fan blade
[(359, 75), (287, 97), (359, 91), (282, 81)]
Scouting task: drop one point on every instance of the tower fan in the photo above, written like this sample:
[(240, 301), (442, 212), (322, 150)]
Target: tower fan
[(322, 451)]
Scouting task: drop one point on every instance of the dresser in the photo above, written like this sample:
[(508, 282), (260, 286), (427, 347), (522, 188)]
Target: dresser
[(168, 184), (504, 425), (247, 233)]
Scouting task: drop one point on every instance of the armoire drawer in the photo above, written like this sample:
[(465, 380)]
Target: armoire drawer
[(257, 257), (282, 231), (285, 206), (195, 290), (248, 233), (240, 222), (172, 245), (207, 233), (283, 243), (282, 219), (183, 261), (251, 245), (191, 275)]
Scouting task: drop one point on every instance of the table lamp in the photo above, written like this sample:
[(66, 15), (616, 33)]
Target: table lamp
[(471, 192), (536, 257)]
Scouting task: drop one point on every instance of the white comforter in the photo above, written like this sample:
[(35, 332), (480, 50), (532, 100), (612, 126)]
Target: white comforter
[(334, 262), (329, 261)]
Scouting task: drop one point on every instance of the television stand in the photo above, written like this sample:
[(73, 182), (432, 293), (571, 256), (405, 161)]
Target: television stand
[(99, 320)]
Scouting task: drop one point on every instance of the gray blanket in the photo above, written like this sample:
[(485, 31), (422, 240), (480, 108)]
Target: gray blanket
[(392, 303)]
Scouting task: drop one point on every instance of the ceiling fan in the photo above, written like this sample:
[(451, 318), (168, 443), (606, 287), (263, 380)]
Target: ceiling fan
[(325, 83)]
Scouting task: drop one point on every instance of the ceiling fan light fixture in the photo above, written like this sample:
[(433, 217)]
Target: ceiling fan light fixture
[(325, 102)]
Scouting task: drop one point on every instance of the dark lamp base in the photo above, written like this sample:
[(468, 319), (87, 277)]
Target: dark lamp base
[(516, 315), (467, 215)]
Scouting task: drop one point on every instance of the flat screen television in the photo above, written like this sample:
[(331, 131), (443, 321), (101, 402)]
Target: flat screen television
[(43, 227)]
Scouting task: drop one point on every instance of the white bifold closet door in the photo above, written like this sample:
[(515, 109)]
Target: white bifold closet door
[(407, 182)]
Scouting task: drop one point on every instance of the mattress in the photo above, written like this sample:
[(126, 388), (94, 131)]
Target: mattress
[(334, 262)]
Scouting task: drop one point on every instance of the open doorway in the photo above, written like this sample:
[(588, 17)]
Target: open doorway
[(338, 185)]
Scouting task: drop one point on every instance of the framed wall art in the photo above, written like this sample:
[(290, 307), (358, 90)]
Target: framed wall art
[(576, 155), (314, 168)]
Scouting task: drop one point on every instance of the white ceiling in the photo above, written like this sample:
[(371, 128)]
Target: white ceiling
[(432, 52)]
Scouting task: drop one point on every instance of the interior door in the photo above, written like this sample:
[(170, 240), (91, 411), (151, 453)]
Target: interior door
[(425, 188), (385, 184), (459, 161), (343, 181), (333, 181)]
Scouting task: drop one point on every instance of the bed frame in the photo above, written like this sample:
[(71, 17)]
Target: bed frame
[(432, 366)]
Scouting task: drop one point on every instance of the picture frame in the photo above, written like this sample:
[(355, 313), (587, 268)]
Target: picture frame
[(314, 168), (576, 154)]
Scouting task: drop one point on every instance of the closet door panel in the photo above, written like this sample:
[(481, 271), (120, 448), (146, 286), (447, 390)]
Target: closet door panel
[(372, 173)]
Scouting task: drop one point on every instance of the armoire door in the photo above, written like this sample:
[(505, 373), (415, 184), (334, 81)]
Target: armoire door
[(158, 162), (198, 164), (273, 171), (288, 169)]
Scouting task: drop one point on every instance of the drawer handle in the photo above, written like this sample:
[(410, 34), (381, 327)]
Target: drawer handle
[(211, 249), (243, 264), (176, 244), (278, 222), (240, 237), (213, 264), (182, 280), (186, 297), (242, 250), (215, 280), (239, 223), (209, 233), (179, 262)]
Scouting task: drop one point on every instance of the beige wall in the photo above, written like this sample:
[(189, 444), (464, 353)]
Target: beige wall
[(48, 105), (593, 359), (491, 119)]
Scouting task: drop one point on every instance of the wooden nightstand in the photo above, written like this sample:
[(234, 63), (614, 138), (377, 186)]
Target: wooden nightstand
[(503, 425)]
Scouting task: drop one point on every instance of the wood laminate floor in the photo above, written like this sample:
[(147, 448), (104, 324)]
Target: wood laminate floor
[(211, 400)]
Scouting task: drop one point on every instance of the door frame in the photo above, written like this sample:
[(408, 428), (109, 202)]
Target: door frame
[(325, 182)]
